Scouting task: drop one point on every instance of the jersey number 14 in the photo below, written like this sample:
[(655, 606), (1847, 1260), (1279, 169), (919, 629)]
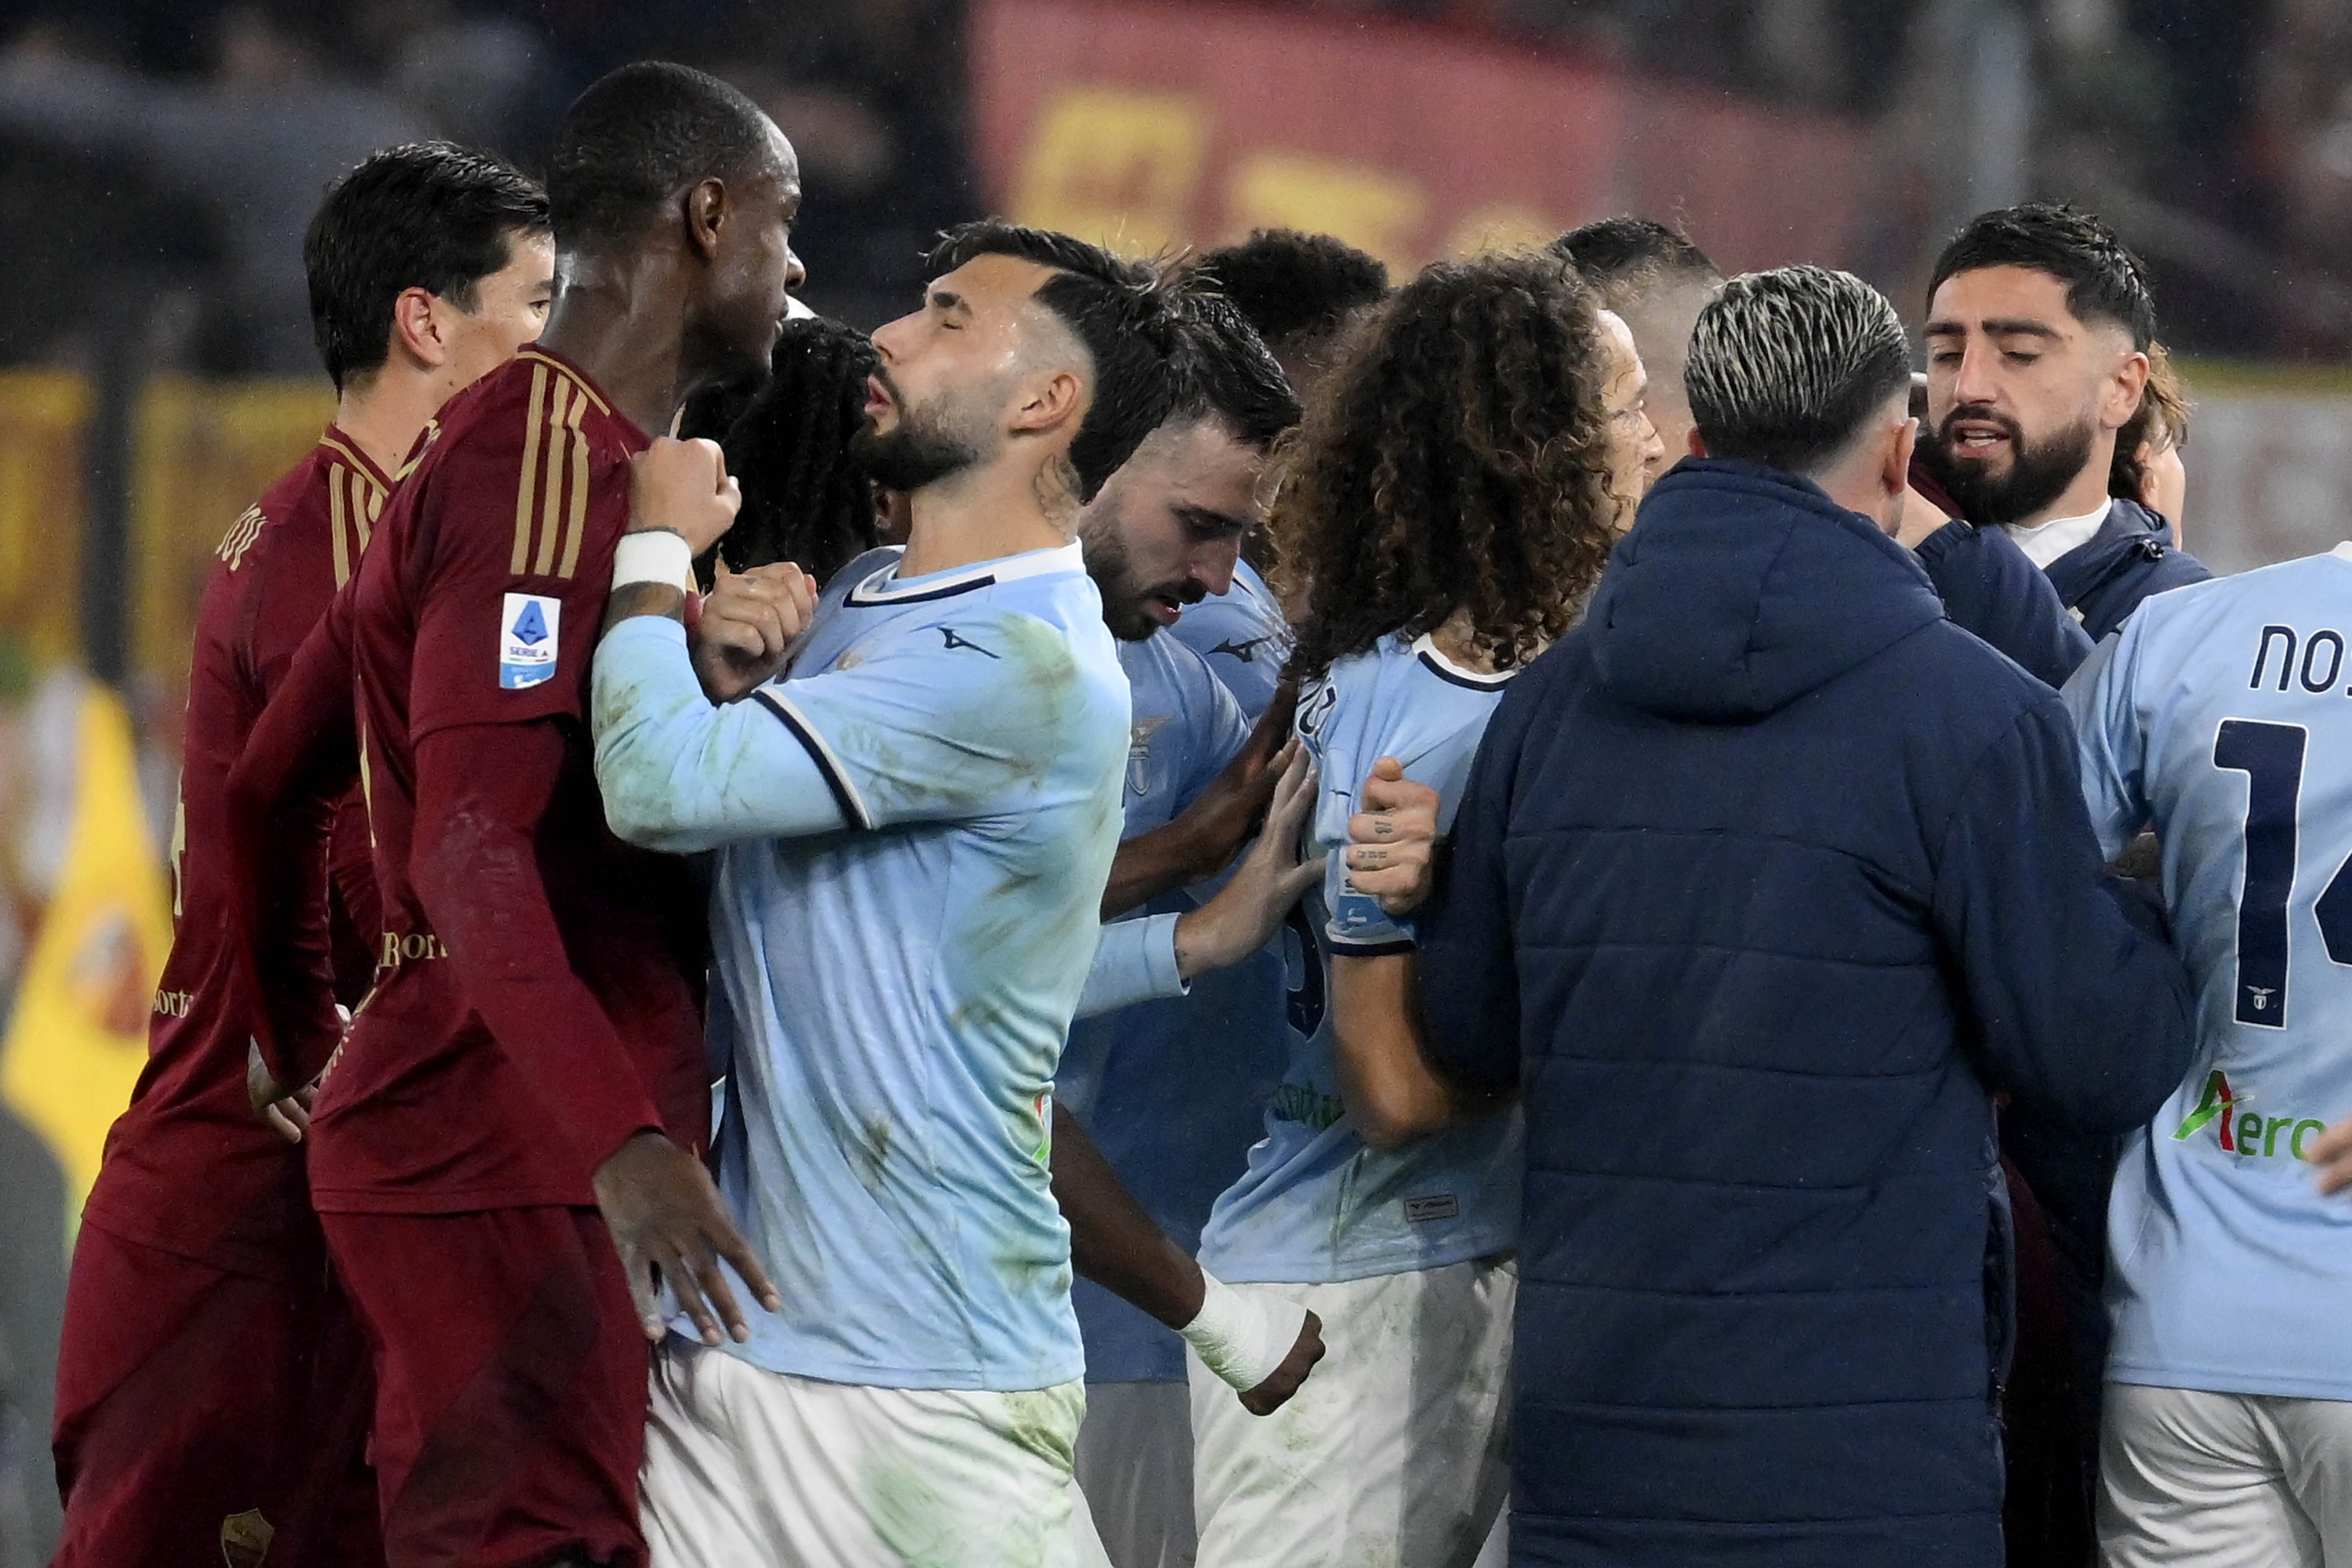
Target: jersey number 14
[(2271, 756)]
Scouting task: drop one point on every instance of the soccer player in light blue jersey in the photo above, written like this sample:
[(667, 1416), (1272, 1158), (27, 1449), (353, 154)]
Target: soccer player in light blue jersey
[(913, 827), (1169, 1089), (1452, 506), (2219, 718)]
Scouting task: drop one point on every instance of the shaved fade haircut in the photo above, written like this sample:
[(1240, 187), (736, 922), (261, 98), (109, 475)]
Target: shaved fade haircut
[(1294, 289), (1785, 366), (1123, 314), (1226, 372), (2104, 282), (1633, 251), (635, 138)]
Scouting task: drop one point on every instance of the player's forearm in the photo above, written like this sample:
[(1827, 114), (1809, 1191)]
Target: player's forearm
[(1135, 961), (1174, 855), (1391, 1093), (1112, 1241), (679, 774), (480, 793), (299, 760)]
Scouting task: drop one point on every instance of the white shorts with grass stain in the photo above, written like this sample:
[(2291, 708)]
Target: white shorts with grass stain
[(751, 1468), (1394, 1453)]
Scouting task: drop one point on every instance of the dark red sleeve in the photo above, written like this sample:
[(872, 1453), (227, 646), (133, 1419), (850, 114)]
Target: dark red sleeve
[(481, 792), (300, 760)]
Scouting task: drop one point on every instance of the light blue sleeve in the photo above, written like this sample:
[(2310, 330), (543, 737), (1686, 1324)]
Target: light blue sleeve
[(950, 722), (679, 774), (1134, 962), (1216, 728), (2101, 700)]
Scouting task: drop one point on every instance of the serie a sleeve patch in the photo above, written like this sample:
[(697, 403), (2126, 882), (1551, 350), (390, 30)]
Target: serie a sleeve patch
[(529, 625)]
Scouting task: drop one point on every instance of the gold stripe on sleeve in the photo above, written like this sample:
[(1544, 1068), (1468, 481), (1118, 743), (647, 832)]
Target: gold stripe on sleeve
[(336, 525), (576, 522), (527, 491), (550, 504)]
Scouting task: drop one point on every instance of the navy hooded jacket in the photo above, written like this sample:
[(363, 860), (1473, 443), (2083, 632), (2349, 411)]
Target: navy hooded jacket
[(2104, 578), (1766, 877)]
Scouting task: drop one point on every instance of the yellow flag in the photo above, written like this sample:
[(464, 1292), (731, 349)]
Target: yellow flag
[(79, 1036)]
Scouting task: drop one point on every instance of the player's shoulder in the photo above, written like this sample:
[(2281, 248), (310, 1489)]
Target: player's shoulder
[(329, 501), (536, 403)]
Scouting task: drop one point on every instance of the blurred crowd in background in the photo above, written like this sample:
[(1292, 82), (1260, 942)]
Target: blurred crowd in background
[(160, 158)]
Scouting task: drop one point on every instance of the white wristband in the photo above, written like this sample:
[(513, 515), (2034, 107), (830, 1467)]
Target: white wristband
[(655, 555), (1241, 1338)]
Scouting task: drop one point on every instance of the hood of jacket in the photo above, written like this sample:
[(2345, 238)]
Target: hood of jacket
[(1742, 588)]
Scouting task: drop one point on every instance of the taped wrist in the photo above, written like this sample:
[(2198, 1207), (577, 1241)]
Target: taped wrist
[(1243, 1338), (655, 555)]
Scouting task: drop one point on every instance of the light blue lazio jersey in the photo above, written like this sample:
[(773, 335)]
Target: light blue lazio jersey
[(1242, 634), (2220, 717), (1170, 1091), (898, 987), (1317, 1204)]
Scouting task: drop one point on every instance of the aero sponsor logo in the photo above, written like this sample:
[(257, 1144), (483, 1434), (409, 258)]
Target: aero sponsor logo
[(2242, 1132)]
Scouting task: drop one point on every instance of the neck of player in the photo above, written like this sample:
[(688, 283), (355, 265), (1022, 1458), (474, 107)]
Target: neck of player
[(385, 409), (625, 321), (1008, 507)]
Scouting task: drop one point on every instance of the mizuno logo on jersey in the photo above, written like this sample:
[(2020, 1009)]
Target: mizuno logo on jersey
[(956, 639), (527, 640), (1244, 651), (2240, 1130)]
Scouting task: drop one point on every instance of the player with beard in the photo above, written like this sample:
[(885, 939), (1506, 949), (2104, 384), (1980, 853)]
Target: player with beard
[(213, 1389), (533, 1053), (914, 824), (1169, 1088), (2039, 326), (1300, 293), (2040, 331)]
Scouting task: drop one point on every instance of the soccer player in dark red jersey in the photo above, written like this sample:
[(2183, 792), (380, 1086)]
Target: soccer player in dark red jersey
[(212, 1390), (532, 1051)]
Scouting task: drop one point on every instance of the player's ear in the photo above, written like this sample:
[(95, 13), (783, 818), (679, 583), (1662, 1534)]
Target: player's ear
[(706, 215), (416, 327), (1048, 401)]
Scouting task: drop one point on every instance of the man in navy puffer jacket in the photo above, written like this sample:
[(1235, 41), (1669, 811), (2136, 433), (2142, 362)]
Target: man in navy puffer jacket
[(1767, 879)]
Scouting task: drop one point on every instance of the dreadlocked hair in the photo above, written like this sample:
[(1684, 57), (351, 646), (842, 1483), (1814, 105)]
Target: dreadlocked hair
[(1456, 460), (806, 497)]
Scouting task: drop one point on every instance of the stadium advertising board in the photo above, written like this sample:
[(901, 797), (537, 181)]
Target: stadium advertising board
[(1142, 124)]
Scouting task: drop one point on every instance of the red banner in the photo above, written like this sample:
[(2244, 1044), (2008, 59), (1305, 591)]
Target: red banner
[(1143, 123)]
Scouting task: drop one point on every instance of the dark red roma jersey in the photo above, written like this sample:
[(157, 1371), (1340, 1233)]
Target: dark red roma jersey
[(539, 993), (188, 1168)]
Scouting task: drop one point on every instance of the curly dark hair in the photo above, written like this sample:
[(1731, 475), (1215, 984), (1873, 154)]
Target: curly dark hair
[(1456, 460), (806, 498)]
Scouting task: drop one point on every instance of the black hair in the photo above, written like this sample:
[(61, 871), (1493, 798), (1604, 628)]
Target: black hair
[(635, 138), (1622, 249), (1124, 314), (1226, 372), (806, 498), (1294, 289), (430, 215), (2104, 282)]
